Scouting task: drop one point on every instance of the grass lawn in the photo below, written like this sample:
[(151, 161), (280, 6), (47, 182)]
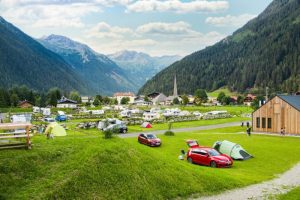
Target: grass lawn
[(223, 89), (137, 128), (292, 195), (234, 110), (83, 165)]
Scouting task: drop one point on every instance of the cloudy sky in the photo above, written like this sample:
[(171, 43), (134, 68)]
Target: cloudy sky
[(157, 27)]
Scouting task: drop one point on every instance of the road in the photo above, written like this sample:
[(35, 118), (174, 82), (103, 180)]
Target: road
[(178, 130)]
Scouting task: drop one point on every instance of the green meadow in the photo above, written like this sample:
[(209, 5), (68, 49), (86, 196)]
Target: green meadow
[(83, 165)]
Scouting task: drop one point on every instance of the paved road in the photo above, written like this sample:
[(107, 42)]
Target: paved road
[(178, 130)]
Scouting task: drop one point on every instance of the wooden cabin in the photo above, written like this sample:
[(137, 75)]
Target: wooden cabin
[(25, 104), (283, 111)]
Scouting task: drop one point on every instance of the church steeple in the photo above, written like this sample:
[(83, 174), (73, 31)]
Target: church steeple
[(175, 94)]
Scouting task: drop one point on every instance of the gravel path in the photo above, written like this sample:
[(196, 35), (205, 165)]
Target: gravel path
[(198, 128), (280, 185)]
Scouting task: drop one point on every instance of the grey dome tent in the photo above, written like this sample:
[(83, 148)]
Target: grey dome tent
[(231, 149)]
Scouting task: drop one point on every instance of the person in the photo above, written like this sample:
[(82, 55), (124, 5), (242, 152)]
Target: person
[(249, 131), (182, 155), (281, 131), (248, 124), (242, 124)]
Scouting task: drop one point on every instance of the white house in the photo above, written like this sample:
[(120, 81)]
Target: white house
[(66, 103), (86, 99), (120, 95)]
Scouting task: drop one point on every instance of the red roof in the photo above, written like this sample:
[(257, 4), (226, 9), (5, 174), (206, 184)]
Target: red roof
[(124, 94)]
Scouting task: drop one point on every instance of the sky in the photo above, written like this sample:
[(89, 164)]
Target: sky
[(156, 27)]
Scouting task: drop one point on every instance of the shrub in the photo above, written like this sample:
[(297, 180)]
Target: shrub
[(108, 134), (169, 133)]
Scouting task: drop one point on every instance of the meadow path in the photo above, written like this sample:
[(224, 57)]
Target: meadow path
[(177, 130), (280, 185)]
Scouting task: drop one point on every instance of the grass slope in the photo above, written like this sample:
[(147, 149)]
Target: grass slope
[(222, 89), (85, 166)]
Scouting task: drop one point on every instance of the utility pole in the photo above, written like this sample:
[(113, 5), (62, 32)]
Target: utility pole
[(267, 93)]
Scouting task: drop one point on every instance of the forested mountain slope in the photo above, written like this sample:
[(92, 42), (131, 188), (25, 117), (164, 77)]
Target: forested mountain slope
[(265, 52)]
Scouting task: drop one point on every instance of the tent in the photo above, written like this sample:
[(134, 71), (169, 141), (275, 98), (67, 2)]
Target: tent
[(55, 129), (231, 149), (146, 125)]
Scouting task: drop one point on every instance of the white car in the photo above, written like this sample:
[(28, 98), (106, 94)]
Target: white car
[(49, 119)]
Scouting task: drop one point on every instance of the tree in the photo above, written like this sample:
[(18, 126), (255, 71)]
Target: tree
[(125, 100), (185, 100), (96, 102), (221, 97), (100, 98), (200, 96), (146, 98), (14, 99), (240, 100), (255, 103), (41, 100), (106, 100), (54, 94), (176, 101), (74, 95)]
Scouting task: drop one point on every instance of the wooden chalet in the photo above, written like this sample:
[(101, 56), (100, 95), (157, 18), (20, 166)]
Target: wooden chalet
[(282, 111)]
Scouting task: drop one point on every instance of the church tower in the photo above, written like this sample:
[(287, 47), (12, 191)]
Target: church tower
[(175, 94)]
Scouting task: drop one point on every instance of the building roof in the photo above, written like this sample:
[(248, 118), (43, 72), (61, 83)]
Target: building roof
[(124, 94), (65, 100), (160, 98), (293, 100)]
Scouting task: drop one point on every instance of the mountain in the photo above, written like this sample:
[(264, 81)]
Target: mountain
[(140, 66), (265, 52), (101, 74), (23, 61)]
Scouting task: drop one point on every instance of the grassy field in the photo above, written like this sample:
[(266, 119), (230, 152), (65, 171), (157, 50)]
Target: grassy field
[(137, 128), (85, 166), (292, 195), (217, 92), (235, 110)]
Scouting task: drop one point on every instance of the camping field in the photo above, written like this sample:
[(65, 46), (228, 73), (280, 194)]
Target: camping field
[(164, 126), (83, 165)]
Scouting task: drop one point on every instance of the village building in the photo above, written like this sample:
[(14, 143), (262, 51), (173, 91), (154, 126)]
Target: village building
[(25, 104), (87, 99), (120, 95), (281, 112), (159, 100), (249, 99), (66, 103)]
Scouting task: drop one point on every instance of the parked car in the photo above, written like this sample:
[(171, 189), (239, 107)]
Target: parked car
[(120, 127), (49, 119), (149, 139), (61, 116), (207, 156)]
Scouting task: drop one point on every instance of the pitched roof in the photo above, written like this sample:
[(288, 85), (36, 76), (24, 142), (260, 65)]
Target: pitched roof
[(122, 94), (292, 100), (65, 100)]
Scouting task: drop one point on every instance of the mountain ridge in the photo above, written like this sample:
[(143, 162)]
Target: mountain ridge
[(263, 53)]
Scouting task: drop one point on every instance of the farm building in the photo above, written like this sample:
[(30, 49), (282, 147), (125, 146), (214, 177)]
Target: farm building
[(25, 104), (282, 111), (120, 95)]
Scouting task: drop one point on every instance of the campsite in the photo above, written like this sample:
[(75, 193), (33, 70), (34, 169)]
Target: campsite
[(85, 165)]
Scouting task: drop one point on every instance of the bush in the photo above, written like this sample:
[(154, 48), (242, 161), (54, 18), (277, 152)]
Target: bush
[(169, 133), (108, 134)]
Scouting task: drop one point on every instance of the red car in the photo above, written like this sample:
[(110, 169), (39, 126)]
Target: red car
[(206, 156), (149, 139)]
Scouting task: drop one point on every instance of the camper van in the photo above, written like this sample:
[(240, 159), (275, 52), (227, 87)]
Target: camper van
[(46, 111), (125, 113)]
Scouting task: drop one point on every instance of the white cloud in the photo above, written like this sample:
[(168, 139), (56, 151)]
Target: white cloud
[(229, 20), (165, 28), (104, 30), (177, 6), (50, 15), (156, 38)]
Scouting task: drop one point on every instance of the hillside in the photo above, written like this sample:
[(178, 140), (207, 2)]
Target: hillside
[(265, 52), (141, 67), (23, 61), (101, 74)]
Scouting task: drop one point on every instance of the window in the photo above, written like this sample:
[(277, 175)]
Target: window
[(263, 122), (257, 122), (269, 122)]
